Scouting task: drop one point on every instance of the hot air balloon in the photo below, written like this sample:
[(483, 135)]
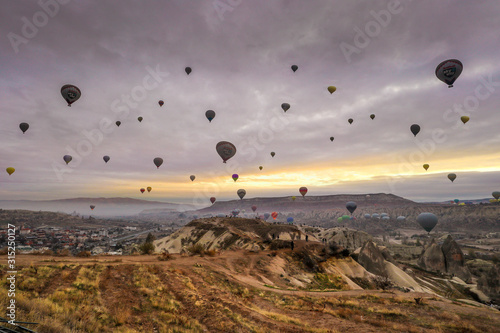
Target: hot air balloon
[(260, 167), (266, 216), (346, 217), (192, 177), (303, 190), (24, 127), (118, 123), (158, 161), (274, 215), (10, 170), (375, 216), (161, 103), (212, 200), (368, 216), (140, 119), (92, 207), (106, 158), (496, 195), (289, 220), (149, 188), (452, 177), (273, 153), (235, 177), (67, 158), (210, 114), (426, 166), (241, 193), (285, 106), (339, 219), (350, 120), (142, 190), (235, 212), (427, 221), (254, 208), (70, 93), (372, 116), (331, 89), (294, 68), (293, 198), (415, 129), (400, 218), (188, 70), (351, 206), (448, 71), (332, 138), (456, 201), (464, 119), (226, 150)]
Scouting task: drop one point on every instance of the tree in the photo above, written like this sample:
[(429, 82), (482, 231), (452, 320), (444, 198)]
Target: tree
[(147, 248), (150, 238)]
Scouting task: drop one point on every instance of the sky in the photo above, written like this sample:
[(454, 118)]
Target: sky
[(126, 56)]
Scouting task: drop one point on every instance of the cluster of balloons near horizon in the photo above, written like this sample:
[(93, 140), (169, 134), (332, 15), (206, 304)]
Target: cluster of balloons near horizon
[(149, 188)]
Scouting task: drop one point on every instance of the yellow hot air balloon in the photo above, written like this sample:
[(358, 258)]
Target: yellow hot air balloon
[(10, 170), (293, 198), (149, 188), (464, 119), (426, 166), (332, 89)]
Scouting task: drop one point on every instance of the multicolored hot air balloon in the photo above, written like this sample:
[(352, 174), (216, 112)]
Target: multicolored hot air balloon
[(274, 215), (285, 106), (226, 150), (142, 190), (92, 207), (212, 200), (456, 201), (24, 127), (241, 193), (70, 93), (303, 190), (158, 161), (294, 68), (149, 188), (235, 177), (426, 166), (106, 158), (332, 89), (351, 206), (160, 102), (448, 71), (10, 170), (427, 221), (67, 158), (415, 129), (210, 114), (452, 177), (192, 177)]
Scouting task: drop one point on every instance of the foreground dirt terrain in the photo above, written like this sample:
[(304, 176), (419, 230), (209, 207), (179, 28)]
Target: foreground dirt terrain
[(233, 291)]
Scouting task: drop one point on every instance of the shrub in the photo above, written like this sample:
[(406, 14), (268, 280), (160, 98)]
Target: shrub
[(196, 249), (147, 248), (83, 254)]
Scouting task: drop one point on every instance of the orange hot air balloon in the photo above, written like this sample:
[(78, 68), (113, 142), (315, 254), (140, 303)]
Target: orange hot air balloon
[(149, 188), (274, 215)]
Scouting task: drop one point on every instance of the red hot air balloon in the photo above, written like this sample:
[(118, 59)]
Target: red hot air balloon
[(160, 102), (254, 208), (212, 199), (274, 215), (303, 190), (142, 190)]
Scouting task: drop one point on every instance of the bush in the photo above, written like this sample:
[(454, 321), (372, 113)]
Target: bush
[(196, 249), (147, 248), (83, 254), (165, 256)]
